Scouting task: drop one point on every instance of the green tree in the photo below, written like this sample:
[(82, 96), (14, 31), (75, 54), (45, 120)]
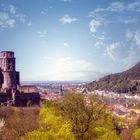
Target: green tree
[(85, 114), (52, 127), (76, 116), (105, 134), (48, 103), (137, 134)]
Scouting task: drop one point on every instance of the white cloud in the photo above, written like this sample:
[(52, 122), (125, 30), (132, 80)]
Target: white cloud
[(10, 23), (110, 14), (29, 23), (129, 34), (133, 37), (100, 40), (114, 51), (137, 38), (113, 7), (127, 52), (68, 68), (70, 64), (4, 16), (94, 24), (66, 0), (99, 43), (9, 17), (134, 6), (42, 34), (44, 12), (21, 18), (101, 37), (132, 58), (6, 21), (12, 9), (116, 7), (97, 10), (66, 44), (121, 49), (66, 19), (130, 20)]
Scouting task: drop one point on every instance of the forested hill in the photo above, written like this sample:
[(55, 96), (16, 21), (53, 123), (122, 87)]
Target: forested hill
[(127, 81)]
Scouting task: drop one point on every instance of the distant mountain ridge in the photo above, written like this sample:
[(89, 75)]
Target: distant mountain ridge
[(127, 81)]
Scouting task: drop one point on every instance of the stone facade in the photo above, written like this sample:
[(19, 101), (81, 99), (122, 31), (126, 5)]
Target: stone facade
[(23, 99), (9, 77), (28, 89), (19, 99)]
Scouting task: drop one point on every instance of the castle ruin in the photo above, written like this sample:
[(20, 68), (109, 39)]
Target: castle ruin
[(10, 89)]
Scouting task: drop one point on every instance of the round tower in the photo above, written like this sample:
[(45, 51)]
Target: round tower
[(7, 61), (7, 65)]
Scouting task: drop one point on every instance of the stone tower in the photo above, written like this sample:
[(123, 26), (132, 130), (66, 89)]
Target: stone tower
[(9, 73)]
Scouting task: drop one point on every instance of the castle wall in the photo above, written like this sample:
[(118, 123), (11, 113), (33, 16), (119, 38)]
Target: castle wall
[(4, 97), (11, 79), (28, 89), (20, 99), (23, 99)]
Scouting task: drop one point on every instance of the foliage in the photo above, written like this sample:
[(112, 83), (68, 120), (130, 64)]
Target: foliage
[(85, 114), (137, 134), (125, 82), (75, 117), (135, 107), (105, 134), (52, 127), (48, 103), (17, 122)]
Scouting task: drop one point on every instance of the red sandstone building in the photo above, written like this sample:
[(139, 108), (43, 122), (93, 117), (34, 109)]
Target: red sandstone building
[(10, 89), (9, 75)]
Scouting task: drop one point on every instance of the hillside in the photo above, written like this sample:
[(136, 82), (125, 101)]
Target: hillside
[(124, 82)]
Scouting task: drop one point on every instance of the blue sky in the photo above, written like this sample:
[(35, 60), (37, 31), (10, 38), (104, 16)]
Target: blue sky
[(70, 39)]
